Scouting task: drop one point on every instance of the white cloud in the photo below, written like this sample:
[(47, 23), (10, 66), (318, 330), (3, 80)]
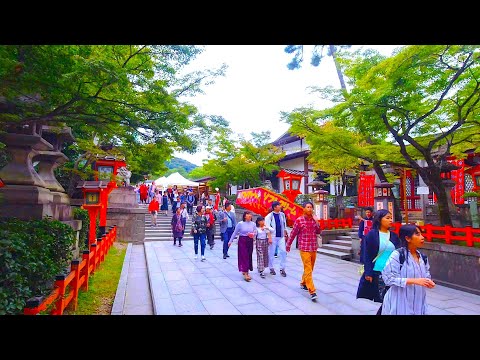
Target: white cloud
[(258, 86)]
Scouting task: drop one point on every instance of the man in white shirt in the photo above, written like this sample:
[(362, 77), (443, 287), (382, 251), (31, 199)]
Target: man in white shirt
[(184, 215)]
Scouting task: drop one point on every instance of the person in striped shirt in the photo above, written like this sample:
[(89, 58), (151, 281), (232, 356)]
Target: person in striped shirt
[(307, 228), (407, 282)]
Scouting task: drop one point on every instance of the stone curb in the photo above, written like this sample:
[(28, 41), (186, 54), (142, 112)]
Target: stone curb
[(119, 302)]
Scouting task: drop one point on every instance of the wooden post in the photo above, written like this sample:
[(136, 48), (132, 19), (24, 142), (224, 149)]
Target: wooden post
[(448, 240), (86, 271), (469, 235), (60, 303), (75, 268)]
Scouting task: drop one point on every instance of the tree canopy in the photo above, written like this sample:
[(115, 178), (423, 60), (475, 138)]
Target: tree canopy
[(422, 103), (240, 161), (125, 95)]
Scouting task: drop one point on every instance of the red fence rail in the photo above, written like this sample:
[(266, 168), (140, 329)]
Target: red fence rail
[(67, 287), (447, 233)]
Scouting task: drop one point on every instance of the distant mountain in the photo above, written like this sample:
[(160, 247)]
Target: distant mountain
[(177, 164)]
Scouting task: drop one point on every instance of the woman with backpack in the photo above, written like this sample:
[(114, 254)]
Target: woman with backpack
[(177, 227), (407, 274), (379, 243)]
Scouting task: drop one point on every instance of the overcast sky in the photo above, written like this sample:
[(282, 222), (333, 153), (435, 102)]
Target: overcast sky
[(258, 86)]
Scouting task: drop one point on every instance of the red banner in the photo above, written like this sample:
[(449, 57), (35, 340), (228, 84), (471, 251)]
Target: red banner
[(259, 200), (459, 177), (366, 190)]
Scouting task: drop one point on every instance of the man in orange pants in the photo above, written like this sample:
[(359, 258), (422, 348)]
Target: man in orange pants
[(307, 228)]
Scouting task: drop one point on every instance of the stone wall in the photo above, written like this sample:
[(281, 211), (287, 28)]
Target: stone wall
[(130, 223), (454, 266)]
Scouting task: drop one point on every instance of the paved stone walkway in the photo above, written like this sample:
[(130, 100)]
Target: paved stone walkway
[(181, 285)]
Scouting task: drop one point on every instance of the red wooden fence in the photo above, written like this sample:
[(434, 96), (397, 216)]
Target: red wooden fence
[(447, 233), (67, 286)]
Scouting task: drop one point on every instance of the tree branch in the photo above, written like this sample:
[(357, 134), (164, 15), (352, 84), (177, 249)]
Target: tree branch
[(132, 55), (444, 93)]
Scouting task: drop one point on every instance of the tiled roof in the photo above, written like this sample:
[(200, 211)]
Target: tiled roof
[(294, 172)]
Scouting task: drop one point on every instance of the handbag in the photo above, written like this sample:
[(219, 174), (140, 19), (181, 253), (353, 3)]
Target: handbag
[(319, 241), (361, 268)]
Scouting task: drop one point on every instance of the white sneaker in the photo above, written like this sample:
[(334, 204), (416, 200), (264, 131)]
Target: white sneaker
[(195, 257), (203, 258)]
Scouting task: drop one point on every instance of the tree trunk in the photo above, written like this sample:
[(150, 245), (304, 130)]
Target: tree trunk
[(433, 180), (339, 71), (72, 191)]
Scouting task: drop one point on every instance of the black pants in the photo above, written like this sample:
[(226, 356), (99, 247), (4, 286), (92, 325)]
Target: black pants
[(179, 240), (210, 237)]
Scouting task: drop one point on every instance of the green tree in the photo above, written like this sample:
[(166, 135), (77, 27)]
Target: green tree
[(198, 173), (126, 95), (242, 162), (423, 99)]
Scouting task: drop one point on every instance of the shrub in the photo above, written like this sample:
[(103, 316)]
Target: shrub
[(32, 253), (301, 198), (81, 214)]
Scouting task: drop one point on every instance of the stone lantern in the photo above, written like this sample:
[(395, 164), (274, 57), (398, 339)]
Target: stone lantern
[(320, 199), (321, 204)]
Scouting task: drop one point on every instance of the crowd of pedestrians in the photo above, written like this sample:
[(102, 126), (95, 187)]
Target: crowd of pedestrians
[(395, 272)]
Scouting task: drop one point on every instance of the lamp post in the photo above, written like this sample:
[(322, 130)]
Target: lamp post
[(92, 192)]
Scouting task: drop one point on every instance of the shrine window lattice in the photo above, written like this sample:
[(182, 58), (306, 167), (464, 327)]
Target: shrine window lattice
[(468, 187)]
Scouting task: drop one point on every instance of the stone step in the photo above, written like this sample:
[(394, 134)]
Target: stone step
[(341, 248), (344, 237), (341, 242), (185, 238), (336, 254)]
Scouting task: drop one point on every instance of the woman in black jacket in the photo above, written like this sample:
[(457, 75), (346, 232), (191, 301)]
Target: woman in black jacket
[(379, 243)]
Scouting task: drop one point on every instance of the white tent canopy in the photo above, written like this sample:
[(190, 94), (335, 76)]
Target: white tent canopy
[(177, 179), (162, 181)]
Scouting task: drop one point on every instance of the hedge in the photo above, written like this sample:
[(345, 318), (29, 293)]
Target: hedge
[(32, 253)]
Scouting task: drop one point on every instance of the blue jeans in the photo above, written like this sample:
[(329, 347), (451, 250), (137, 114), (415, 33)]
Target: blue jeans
[(226, 238), (202, 238)]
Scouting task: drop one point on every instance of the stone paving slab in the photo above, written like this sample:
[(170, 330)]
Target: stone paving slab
[(183, 285)]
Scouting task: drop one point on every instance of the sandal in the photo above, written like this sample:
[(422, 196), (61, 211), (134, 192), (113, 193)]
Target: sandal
[(246, 277)]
